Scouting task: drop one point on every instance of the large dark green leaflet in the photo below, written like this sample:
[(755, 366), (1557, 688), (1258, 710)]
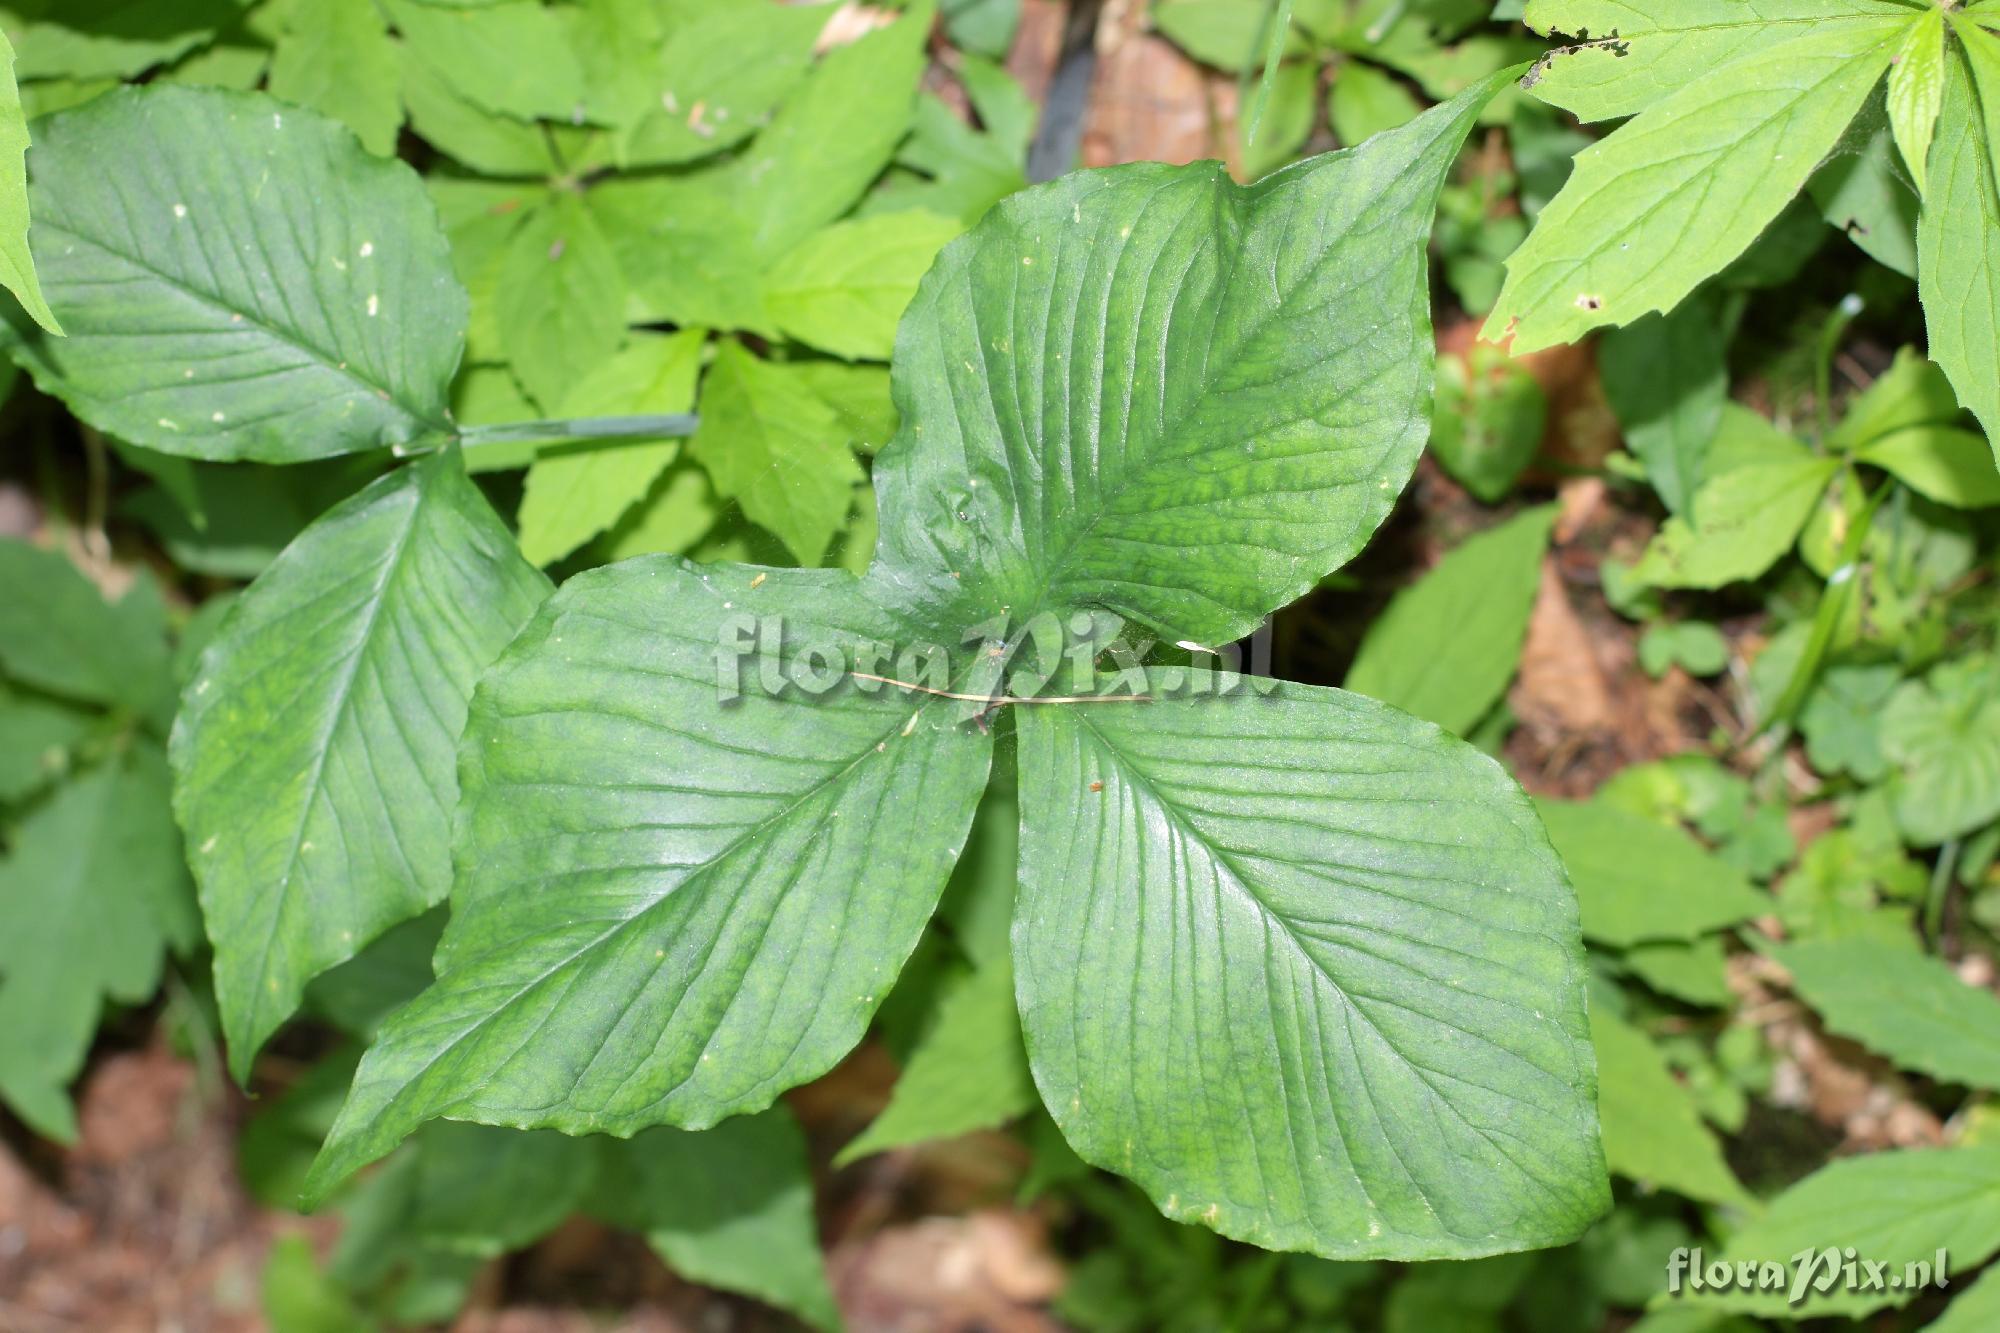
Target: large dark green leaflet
[(1154, 391), (315, 745), (246, 283), (670, 907), (1308, 970)]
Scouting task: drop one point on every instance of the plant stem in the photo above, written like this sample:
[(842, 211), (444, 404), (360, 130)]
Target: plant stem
[(1832, 606), (1939, 891), (1829, 342), (659, 426)]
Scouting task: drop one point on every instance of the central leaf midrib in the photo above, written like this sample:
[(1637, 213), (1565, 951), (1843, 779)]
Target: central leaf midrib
[(289, 337)]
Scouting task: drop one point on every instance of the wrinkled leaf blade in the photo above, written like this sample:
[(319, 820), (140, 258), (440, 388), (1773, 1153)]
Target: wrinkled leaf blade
[(1097, 342), (1305, 969), (670, 907)]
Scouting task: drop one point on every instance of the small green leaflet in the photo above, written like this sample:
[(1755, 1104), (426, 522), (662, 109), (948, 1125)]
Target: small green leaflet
[(559, 298), (1307, 970), (967, 1072), (1447, 646), (570, 497), (1958, 247), (1842, 719), (1367, 100), (1113, 334), (1974, 1310), (720, 75), (336, 57), (92, 893), (673, 906), (731, 1207), (58, 634), (770, 442), (298, 1298), (1695, 971), (1862, 192), (1640, 55), (36, 740), (1652, 1132), (314, 747), (1900, 1004), (495, 145), (1761, 486), (112, 39), (1686, 186), (946, 166), (1695, 645), (510, 59), (1908, 423), (17, 265), (1637, 879), (333, 325), (1943, 735), (1666, 378), (1892, 1207), (698, 247), (1916, 90), (843, 289)]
